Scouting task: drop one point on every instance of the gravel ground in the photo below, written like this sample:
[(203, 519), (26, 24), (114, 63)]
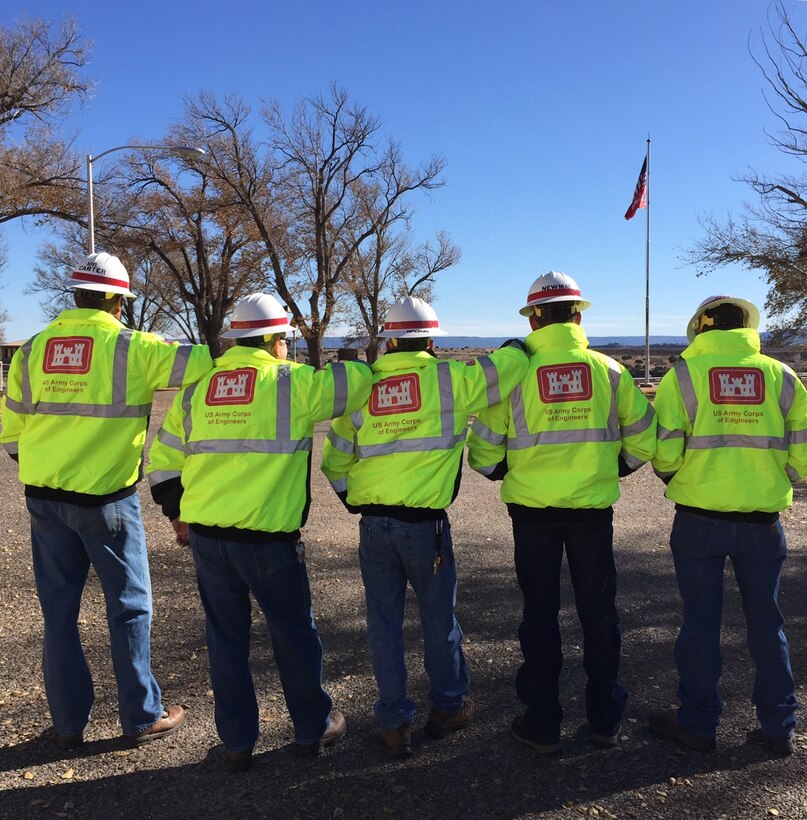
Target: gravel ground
[(481, 772)]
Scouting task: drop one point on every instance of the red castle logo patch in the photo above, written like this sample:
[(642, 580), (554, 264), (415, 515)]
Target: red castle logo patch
[(232, 387), (68, 354), (564, 382), (736, 385), (397, 394)]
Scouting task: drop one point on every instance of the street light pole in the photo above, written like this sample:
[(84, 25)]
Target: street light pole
[(178, 150)]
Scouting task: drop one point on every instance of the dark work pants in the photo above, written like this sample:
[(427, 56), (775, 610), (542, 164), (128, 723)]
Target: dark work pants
[(540, 539)]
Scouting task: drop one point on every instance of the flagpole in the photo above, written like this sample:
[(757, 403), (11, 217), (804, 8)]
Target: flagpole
[(647, 276)]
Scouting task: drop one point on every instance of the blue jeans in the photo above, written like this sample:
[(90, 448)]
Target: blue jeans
[(392, 553), (66, 539), (275, 573), (539, 546), (700, 547)]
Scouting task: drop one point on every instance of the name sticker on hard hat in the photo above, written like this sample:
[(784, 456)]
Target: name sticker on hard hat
[(232, 387), (397, 394), (736, 385), (565, 382), (68, 354)]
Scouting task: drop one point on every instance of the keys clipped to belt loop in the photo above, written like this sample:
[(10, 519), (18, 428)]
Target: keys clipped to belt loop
[(299, 548), (438, 546)]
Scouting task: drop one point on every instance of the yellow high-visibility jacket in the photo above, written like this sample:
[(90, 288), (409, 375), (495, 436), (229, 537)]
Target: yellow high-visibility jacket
[(561, 434), (732, 426), (79, 397), (403, 448), (240, 439)]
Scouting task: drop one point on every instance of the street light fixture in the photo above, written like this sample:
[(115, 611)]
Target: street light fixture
[(189, 151)]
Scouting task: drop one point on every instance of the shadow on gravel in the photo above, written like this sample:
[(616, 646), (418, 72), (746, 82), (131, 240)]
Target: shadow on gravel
[(443, 780)]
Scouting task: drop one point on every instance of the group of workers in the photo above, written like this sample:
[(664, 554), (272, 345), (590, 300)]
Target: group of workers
[(558, 424)]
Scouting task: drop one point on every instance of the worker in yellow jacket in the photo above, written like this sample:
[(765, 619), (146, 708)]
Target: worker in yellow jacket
[(732, 430), (75, 416), (232, 462), (397, 462), (574, 425)]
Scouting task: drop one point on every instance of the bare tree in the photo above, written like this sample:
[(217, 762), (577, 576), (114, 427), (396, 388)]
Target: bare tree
[(771, 235), (204, 249), (3, 312), (387, 268), (40, 77), (306, 191), (40, 70), (156, 308)]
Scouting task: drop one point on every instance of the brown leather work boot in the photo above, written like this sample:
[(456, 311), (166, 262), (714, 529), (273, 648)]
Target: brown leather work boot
[(398, 742), (337, 726), (172, 719), (440, 725), (664, 723)]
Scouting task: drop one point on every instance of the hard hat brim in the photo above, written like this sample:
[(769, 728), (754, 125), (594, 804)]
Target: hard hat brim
[(77, 284), (425, 333), (266, 330), (750, 309), (527, 309)]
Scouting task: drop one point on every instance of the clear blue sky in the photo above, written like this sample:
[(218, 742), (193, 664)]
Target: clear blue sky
[(541, 109)]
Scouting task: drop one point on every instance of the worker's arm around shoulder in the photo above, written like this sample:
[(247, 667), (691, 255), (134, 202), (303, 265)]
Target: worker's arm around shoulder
[(637, 424), (167, 458), (337, 389), (489, 380), (672, 427), (171, 364), (14, 412), (796, 426)]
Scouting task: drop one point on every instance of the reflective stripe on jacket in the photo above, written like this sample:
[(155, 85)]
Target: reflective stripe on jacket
[(79, 396), (240, 439), (565, 426), (404, 447), (732, 426)]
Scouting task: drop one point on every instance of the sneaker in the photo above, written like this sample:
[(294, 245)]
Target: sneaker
[(333, 734), (523, 735), (237, 761), (398, 742), (440, 725), (664, 723), (171, 720), (775, 745), (587, 732)]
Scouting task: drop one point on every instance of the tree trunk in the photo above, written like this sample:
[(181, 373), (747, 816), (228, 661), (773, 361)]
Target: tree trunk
[(371, 350), (315, 354)]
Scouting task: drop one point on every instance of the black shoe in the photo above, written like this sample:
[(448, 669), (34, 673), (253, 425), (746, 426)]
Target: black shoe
[(523, 735), (664, 723), (68, 742), (587, 732), (775, 745), (237, 761)]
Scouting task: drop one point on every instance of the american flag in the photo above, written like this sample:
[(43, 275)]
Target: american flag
[(640, 194)]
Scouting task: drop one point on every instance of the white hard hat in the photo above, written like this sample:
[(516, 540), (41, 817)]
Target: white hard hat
[(102, 272), (553, 287), (258, 315), (411, 318), (749, 310)]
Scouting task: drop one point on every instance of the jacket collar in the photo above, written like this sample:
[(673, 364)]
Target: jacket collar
[(740, 340), (86, 315), (254, 356), (565, 335), (391, 362)]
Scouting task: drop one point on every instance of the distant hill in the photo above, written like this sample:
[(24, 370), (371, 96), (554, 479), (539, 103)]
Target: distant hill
[(495, 341)]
